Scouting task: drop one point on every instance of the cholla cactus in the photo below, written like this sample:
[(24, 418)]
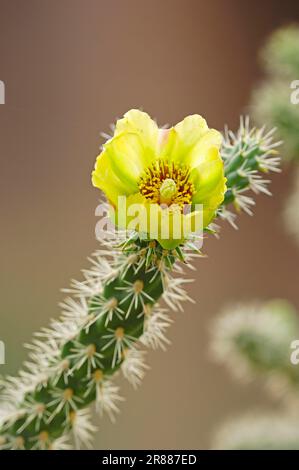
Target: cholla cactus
[(281, 53), (258, 430), (248, 155), (115, 312), (272, 99), (273, 102), (254, 341)]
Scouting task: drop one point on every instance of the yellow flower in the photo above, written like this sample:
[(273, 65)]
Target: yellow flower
[(162, 171)]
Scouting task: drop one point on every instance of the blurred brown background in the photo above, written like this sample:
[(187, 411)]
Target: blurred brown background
[(70, 68)]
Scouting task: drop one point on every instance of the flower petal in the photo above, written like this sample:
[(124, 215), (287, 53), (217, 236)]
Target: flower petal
[(201, 150), (128, 158), (191, 129), (104, 178), (188, 132), (193, 139), (141, 124), (166, 140), (167, 225), (208, 177)]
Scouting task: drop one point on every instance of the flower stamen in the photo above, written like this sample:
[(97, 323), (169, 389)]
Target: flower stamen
[(167, 183)]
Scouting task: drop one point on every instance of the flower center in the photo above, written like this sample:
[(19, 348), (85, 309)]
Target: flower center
[(167, 190), (167, 183)]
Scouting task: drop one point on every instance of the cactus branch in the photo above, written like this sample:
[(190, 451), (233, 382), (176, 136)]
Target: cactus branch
[(111, 316)]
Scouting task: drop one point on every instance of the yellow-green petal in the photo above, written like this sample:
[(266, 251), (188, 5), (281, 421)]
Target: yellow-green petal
[(104, 178), (165, 143), (191, 129), (200, 152), (140, 123), (207, 176), (188, 132), (127, 158), (167, 225)]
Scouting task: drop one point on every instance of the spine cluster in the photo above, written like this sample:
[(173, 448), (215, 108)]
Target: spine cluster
[(255, 342)]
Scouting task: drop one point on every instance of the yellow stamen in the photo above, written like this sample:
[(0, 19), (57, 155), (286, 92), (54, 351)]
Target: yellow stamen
[(167, 183)]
